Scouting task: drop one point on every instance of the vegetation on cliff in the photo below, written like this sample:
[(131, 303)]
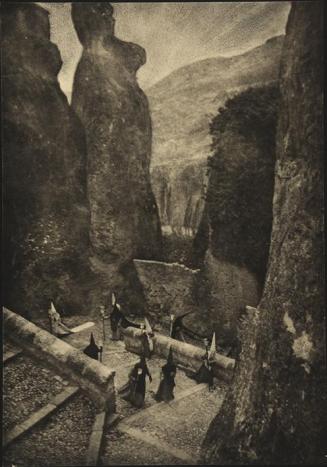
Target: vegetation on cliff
[(241, 173)]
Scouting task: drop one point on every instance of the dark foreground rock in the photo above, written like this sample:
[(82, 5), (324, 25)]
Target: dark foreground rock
[(44, 162), (275, 412)]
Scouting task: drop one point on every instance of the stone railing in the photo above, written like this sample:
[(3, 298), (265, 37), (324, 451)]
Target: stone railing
[(95, 379), (186, 355)]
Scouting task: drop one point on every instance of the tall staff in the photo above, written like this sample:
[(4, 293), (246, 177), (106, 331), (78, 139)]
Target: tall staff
[(102, 313), (172, 317)]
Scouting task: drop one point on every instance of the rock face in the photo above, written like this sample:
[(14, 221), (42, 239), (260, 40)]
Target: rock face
[(46, 216), (179, 191), (238, 206), (168, 290), (115, 113), (275, 411), (225, 289)]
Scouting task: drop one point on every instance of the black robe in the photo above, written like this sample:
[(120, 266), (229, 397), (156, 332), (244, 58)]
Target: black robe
[(205, 372), (166, 387), (179, 330), (177, 327), (146, 350), (134, 390), (117, 319), (92, 351)]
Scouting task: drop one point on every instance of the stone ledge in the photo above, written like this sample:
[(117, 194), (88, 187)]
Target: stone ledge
[(102, 421), (10, 355), (94, 378), (187, 355)]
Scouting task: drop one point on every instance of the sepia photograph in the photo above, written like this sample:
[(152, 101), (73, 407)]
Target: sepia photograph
[(163, 259)]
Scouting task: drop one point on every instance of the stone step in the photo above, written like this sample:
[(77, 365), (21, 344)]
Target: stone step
[(38, 416), (159, 444)]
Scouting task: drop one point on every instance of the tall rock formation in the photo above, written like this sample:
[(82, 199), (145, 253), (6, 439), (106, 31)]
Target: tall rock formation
[(238, 207), (45, 205), (115, 113), (275, 412)]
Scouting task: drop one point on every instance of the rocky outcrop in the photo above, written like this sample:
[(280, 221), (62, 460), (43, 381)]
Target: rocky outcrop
[(44, 163), (274, 413), (179, 191), (115, 113), (224, 289), (238, 207), (167, 289)]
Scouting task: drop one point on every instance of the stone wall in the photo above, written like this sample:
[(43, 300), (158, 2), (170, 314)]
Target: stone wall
[(186, 355), (95, 379)]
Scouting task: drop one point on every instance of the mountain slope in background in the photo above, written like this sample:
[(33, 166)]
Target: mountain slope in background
[(182, 105), (183, 102)]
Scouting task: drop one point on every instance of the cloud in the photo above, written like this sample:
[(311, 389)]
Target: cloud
[(175, 34)]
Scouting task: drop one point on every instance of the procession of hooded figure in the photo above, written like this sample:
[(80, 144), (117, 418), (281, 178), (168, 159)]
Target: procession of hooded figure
[(134, 390)]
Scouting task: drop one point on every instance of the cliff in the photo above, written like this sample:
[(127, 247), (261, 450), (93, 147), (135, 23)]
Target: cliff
[(182, 106), (180, 190), (115, 113), (168, 290), (274, 412), (44, 160), (238, 205)]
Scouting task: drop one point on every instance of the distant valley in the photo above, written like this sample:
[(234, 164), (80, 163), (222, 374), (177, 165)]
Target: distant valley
[(182, 105)]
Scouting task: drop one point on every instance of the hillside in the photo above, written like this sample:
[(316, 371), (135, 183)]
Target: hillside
[(183, 102)]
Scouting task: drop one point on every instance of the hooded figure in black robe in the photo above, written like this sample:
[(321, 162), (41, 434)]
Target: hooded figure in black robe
[(205, 372), (92, 350), (166, 387), (147, 342), (178, 329), (117, 320), (134, 390)]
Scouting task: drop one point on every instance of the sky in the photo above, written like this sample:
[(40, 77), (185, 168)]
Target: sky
[(174, 34)]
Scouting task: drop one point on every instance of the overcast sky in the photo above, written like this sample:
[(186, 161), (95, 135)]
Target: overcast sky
[(174, 34)]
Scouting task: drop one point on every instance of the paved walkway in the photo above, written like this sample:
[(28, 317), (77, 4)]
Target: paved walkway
[(160, 433)]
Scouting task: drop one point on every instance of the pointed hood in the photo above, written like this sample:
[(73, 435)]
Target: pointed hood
[(92, 341), (172, 319), (52, 307), (212, 350), (147, 326)]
